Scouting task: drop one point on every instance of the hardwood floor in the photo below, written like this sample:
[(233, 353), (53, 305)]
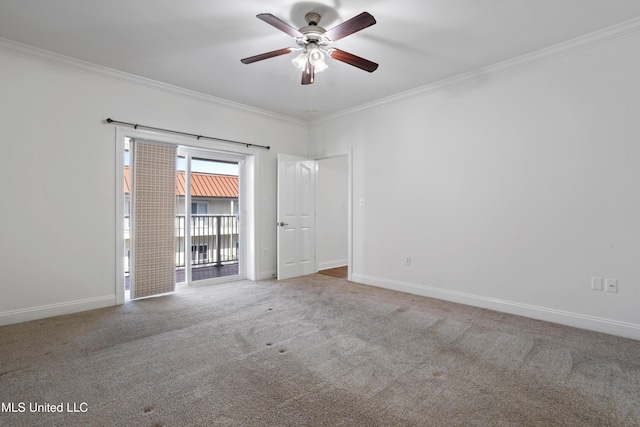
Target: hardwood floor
[(339, 272)]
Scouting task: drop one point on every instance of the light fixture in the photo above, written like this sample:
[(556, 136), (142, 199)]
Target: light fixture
[(311, 54), (300, 61), (314, 43)]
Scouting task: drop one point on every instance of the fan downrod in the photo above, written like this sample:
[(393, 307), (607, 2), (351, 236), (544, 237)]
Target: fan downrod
[(312, 18)]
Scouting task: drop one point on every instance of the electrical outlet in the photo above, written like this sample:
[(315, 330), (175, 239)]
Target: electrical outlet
[(407, 261), (612, 285), (363, 202), (596, 283)]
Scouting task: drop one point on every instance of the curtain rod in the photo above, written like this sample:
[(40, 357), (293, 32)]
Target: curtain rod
[(175, 132)]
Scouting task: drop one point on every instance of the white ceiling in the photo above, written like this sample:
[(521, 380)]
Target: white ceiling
[(198, 44)]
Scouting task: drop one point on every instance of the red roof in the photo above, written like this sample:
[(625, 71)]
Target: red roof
[(202, 184)]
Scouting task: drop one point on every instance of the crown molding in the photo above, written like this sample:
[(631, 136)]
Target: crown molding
[(578, 44), (569, 47), (41, 55)]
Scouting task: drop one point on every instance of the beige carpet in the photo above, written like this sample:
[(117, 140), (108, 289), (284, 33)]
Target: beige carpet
[(317, 351)]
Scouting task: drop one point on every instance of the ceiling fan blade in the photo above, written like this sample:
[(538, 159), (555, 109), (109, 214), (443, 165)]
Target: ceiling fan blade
[(351, 59), (308, 75), (351, 26), (267, 55), (279, 24)]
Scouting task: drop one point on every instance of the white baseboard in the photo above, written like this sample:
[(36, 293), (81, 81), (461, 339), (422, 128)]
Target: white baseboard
[(50, 310), (577, 320), (325, 265), (266, 275)]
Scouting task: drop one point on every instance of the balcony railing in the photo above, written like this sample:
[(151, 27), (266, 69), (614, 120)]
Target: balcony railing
[(214, 240)]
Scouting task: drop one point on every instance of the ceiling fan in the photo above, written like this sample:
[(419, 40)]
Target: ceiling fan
[(314, 43)]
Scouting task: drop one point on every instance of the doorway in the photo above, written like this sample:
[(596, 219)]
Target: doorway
[(332, 213), (314, 215), (212, 244)]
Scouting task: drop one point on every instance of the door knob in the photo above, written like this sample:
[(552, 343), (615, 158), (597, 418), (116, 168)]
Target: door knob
[(282, 224)]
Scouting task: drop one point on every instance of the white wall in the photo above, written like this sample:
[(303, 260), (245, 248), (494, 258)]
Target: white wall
[(59, 256), (512, 191), (515, 190), (331, 213)]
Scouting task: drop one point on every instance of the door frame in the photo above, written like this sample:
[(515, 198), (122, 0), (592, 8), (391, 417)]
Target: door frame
[(349, 155), (249, 188)]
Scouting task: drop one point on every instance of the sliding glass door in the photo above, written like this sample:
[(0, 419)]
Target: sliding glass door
[(205, 220), (208, 237)]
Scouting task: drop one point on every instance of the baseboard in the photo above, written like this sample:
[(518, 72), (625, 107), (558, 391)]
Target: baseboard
[(325, 265), (577, 320), (50, 310), (266, 275)]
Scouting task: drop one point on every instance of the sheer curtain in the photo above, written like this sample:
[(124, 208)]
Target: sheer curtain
[(153, 213)]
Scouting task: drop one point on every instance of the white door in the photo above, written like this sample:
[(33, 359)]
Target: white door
[(296, 216)]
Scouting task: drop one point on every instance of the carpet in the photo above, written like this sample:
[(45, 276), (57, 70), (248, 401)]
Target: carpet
[(312, 351)]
